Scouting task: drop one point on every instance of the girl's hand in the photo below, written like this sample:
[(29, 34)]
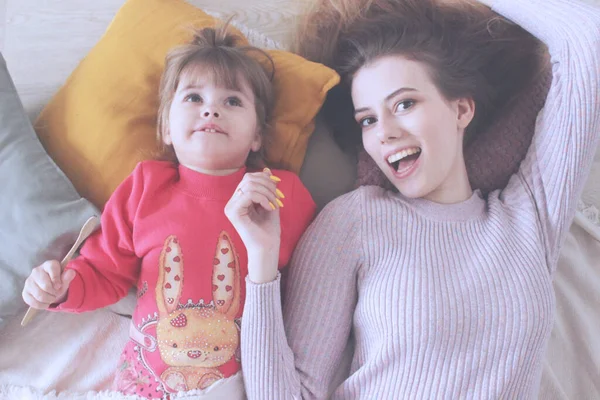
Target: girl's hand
[(254, 212), (46, 285)]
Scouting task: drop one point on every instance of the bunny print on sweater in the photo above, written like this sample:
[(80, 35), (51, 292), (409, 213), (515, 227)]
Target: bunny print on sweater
[(195, 340)]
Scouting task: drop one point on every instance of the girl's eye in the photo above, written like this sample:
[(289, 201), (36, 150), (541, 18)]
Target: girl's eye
[(364, 122), (233, 101), (193, 98), (404, 105)]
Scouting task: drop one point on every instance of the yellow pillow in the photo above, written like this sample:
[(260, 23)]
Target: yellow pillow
[(103, 120)]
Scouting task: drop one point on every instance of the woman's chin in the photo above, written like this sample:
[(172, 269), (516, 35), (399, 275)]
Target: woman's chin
[(411, 193), (409, 188)]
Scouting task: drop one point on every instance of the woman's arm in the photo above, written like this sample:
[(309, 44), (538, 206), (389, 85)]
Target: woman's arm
[(295, 353), (555, 168)]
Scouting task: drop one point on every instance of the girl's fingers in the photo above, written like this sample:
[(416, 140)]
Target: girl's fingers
[(37, 296), (32, 302), (40, 279), (41, 296), (52, 268), (67, 278)]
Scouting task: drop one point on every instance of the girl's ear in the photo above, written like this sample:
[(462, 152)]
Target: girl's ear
[(167, 138), (256, 143), (465, 108)]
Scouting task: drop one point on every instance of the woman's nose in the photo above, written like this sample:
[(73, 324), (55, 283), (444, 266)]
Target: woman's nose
[(388, 130)]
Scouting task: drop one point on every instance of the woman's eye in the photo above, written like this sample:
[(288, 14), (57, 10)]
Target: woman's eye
[(193, 98), (404, 105), (364, 122), (233, 101)]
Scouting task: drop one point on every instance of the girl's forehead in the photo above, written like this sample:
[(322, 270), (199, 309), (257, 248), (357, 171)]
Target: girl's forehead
[(200, 74)]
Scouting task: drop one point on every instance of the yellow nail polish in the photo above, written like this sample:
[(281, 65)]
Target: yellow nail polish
[(275, 178), (279, 194), (272, 205), (279, 203)]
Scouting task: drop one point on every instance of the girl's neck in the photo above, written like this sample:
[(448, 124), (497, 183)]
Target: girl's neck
[(206, 186), (214, 172)]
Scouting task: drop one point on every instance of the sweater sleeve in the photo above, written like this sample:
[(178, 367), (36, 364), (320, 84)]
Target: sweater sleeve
[(295, 353), (108, 265), (557, 164)]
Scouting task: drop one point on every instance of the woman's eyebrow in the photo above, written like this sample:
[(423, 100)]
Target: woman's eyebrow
[(388, 97)]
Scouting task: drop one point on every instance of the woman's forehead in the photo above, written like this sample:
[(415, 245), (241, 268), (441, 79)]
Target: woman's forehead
[(376, 80)]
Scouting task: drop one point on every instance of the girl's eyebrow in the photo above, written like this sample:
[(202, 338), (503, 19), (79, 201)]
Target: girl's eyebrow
[(387, 98), (191, 86)]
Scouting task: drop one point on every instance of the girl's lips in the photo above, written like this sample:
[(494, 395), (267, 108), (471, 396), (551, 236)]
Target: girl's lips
[(210, 128), (209, 131)]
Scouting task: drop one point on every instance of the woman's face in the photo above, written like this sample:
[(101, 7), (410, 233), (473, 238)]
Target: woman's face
[(414, 134)]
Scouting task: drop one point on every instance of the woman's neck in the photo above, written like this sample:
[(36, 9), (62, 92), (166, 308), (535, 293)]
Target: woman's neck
[(451, 195), (456, 188)]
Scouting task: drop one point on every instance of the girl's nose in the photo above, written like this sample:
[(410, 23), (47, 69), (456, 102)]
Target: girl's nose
[(208, 113)]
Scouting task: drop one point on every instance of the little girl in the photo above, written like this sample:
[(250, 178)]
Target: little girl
[(164, 229)]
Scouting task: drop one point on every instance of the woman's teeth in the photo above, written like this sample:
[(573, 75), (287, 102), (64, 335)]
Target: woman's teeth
[(403, 154)]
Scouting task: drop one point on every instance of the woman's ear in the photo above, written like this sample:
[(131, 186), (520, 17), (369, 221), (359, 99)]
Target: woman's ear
[(465, 108)]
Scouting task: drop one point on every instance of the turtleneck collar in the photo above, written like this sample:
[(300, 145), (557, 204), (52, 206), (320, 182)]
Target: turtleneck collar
[(218, 187)]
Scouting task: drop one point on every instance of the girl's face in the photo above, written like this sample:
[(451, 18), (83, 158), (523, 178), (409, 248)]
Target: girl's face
[(212, 128), (414, 134)]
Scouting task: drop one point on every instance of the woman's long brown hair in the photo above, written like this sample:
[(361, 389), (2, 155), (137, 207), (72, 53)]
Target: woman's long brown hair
[(470, 51)]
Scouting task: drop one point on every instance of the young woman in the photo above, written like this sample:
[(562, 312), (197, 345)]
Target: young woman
[(444, 292)]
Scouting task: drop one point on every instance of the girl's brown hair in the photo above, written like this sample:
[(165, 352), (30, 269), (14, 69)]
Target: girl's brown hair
[(470, 51), (219, 52)]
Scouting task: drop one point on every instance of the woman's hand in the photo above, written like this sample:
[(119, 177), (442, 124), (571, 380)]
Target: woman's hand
[(254, 212)]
